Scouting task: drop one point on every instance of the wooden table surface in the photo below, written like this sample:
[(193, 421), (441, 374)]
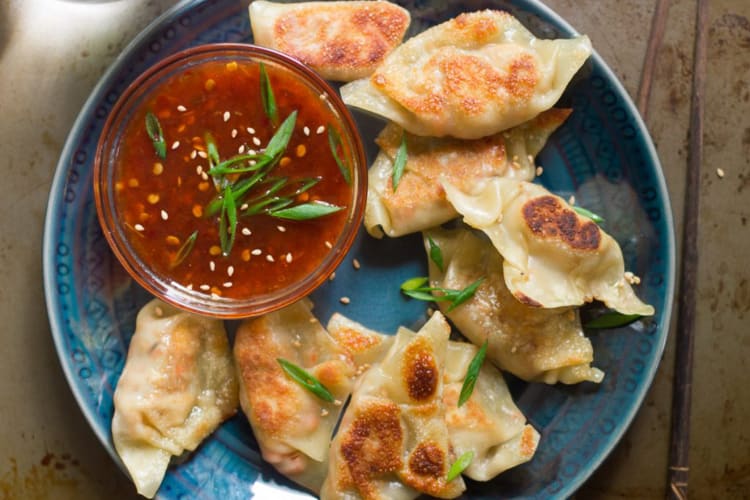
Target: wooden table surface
[(52, 53)]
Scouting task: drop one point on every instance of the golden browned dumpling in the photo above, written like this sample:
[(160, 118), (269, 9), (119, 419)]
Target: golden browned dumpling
[(341, 40), (553, 256), (177, 386), (393, 440), (419, 201), (293, 426), (469, 77)]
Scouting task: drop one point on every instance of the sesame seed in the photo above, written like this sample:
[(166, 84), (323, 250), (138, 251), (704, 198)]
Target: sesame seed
[(306, 130), (193, 154), (269, 258), (323, 412), (256, 141), (281, 229), (230, 271), (212, 266), (234, 133), (345, 300), (175, 145), (227, 284), (720, 173), (204, 176), (227, 115), (215, 295), (245, 230), (251, 152), (539, 171), (164, 215), (572, 200), (203, 154), (244, 206), (158, 312), (199, 169), (530, 159), (323, 97), (328, 244), (337, 402), (241, 149), (257, 251), (181, 108), (320, 130), (250, 130), (205, 288), (289, 258), (332, 276), (356, 264), (139, 227)]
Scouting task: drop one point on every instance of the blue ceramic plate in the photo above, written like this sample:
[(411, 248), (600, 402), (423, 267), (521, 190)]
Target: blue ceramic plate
[(602, 154)]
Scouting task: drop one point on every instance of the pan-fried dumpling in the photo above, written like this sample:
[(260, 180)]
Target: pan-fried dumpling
[(419, 202), (469, 77), (392, 442), (341, 40), (533, 343), (553, 257), (364, 346), (293, 426), (177, 386), (489, 423)]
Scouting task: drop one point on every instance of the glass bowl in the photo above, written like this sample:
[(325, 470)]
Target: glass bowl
[(201, 198)]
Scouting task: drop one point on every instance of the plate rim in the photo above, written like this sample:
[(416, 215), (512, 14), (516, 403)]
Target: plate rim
[(55, 202)]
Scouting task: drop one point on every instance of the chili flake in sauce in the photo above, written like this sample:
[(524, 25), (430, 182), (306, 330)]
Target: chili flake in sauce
[(176, 210)]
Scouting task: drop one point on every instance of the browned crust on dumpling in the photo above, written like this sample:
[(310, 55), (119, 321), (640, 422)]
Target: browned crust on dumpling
[(528, 441), (371, 447), (549, 219), (420, 371), (273, 399), (354, 341), (351, 37), (469, 84), (426, 468)]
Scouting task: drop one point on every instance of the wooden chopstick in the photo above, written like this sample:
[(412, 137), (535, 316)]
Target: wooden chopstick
[(683, 367)]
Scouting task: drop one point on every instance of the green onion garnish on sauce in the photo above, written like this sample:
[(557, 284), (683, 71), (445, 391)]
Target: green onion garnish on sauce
[(184, 250), (472, 373), (459, 466), (227, 222), (334, 142), (153, 129), (267, 97), (305, 211), (306, 380)]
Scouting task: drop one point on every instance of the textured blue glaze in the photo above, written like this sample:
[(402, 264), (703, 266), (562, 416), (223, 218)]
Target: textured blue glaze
[(602, 155)]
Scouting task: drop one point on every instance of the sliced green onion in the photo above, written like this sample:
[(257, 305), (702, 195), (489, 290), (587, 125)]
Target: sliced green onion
[(612, 319), (184, 250), (153, 129), (280, 139), (588, 213), (465, 294), (472, 373), (334, 142), (305, 211), (227, 222), (436, 255), (414, 283), (459, 466), (306, 380), (399, 163), (266, 95)]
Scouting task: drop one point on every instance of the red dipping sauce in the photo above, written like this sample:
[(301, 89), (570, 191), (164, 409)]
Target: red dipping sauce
[(171, 207)]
